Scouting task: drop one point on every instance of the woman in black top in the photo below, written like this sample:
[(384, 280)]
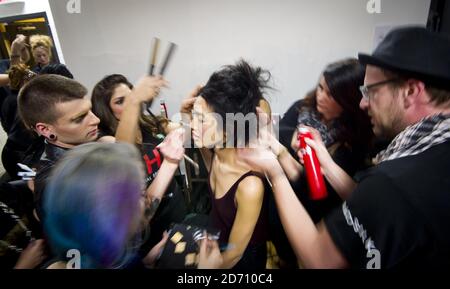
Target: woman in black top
[(332, 109), (109, 100)]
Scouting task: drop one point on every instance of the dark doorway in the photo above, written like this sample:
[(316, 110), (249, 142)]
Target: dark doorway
[(439, 16)]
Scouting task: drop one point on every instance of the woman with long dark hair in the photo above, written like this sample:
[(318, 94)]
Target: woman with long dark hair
[(114, 105), (332, 109), (108, 100)]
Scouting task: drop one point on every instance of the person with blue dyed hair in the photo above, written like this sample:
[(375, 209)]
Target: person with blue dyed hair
[(95, 203)]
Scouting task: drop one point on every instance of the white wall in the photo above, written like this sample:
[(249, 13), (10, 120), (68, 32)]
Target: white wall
[(294, 39)]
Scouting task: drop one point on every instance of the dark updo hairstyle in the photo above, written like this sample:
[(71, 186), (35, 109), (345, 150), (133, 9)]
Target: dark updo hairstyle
[(101, 97), (236, 89)]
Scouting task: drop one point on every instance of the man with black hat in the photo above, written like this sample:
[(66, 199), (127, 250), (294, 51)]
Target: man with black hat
[(399, 214)]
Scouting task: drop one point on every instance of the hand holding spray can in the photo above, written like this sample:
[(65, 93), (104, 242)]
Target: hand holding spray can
[(316, 183)]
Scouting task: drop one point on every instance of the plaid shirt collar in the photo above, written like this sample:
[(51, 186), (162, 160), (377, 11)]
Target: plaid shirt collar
[(417, 138)]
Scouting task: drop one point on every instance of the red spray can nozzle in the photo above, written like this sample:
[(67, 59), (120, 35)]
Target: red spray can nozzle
[(316, 183)]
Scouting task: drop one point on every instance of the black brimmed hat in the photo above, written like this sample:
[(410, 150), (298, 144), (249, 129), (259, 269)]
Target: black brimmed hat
[(416, 52)]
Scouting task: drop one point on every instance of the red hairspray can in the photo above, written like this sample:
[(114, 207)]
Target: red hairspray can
[(316, 183)]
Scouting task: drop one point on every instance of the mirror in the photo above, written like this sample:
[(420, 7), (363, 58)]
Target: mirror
[(30, 26)]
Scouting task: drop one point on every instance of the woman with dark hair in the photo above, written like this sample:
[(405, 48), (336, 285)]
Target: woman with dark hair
[(333, 110), (112, 102), (108, 99), (238, 192)]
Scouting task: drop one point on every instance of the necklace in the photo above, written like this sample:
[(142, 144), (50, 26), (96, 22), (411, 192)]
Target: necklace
[(10, 212)]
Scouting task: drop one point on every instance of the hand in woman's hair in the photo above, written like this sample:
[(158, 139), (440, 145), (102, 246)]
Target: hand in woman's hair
[(263, 117), (172, 146), (188, 102), (259, 153), (266, 137), (264, 123)]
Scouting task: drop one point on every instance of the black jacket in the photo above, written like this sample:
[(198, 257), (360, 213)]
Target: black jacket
[(48, 160)]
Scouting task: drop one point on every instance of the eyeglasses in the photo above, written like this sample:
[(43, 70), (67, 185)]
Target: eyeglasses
[(365, 89)]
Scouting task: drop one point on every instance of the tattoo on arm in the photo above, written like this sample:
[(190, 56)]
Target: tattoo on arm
[(151, 207)]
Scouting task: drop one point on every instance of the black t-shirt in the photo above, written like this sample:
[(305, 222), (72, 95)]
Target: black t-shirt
[(45, 166), (172, 208), (401, 208)]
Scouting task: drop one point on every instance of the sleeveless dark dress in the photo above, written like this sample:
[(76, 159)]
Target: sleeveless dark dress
[(222, 216)]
